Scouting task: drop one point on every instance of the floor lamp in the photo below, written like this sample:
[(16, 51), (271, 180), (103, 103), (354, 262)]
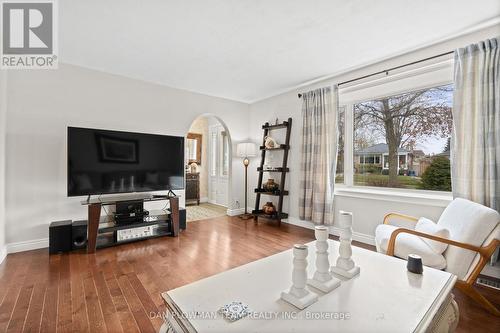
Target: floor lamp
[(246, 150)]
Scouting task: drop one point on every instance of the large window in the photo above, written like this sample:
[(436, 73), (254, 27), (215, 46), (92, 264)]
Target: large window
[(403, 140), (397, 141)]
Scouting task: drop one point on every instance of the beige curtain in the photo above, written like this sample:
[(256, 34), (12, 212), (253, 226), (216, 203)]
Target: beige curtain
[(475, 153), (319, 155)]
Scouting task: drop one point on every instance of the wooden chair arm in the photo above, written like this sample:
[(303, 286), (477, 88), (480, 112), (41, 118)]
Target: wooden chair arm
[(403, 216), (395, 233)]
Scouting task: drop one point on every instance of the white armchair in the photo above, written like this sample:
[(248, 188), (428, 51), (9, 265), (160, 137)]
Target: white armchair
[(474, 235)]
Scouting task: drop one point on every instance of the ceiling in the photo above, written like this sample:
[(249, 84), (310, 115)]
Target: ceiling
[(248, 50)]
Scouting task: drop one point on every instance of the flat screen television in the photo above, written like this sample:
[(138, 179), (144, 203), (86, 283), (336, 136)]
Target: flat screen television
[(105, 162)]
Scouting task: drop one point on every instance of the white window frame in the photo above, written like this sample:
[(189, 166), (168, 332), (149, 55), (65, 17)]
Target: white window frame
[(347, 188)]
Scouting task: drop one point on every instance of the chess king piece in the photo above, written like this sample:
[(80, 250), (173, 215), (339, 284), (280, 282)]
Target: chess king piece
[(345, 265), (322, 279), (298, 295)]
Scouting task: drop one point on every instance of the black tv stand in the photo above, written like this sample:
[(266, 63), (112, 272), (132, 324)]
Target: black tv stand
[(94, 213)]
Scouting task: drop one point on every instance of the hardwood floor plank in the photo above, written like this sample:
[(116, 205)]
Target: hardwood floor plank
[(37, 278), (147, 303), (108, 308), (94, 312), (16, 322), (13, 287), (78, 308), (64, 301), (125, 316), (115, 289), (135, 305), (49, 314), (34, 316)]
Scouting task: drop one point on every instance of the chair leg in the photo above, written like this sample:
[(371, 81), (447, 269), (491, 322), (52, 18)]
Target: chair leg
[(476, 296)]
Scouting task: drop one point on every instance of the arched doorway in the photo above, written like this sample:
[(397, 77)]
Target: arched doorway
[(208, 168)]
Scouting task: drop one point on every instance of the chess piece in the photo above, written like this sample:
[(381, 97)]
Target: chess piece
[(298, 295), (322, 279), (345, 265)]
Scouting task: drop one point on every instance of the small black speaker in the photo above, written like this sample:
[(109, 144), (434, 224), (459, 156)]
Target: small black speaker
[(60, 237), (182, 218), (79, 235)]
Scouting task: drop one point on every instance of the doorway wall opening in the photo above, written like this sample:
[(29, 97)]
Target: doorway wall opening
[(208, 168)]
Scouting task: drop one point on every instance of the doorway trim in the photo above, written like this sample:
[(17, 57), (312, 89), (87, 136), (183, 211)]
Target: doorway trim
[(230, 141)]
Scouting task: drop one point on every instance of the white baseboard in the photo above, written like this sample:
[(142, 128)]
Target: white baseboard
[(204, 200), (357, 236), (28, 245), (3, 253), (238, 211), (235, 212)]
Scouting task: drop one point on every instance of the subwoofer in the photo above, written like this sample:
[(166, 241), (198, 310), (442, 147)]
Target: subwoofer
[(182, 218), (79, 235), (60, 236)]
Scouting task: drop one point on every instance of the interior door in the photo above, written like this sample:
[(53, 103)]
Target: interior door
[(219, 165)]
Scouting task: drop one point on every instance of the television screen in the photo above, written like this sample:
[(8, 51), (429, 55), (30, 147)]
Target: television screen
[(104, 162)]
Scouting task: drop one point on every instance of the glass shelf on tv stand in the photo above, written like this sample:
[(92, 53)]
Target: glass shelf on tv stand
[(113, 199)]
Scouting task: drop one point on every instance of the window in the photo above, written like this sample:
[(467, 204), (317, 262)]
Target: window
[(225, 154), (403, 140), (339, 176), (213, 151)]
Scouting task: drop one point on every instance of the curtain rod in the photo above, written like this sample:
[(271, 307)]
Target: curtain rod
[(386, 71)]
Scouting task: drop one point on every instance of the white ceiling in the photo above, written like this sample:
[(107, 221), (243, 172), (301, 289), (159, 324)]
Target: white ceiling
[(248, 50)]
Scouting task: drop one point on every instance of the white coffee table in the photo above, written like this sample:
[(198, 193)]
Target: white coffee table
[(384, 297)]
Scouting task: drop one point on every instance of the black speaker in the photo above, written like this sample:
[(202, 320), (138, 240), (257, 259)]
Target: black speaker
[(182, 218), (60, 237), (79, 235)]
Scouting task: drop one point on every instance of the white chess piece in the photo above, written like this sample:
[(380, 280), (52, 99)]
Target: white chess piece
[(345, 265), (298, 295), (322, 279)]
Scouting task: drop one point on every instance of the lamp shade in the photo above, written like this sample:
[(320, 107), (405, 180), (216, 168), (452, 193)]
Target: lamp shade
[(246, 149)]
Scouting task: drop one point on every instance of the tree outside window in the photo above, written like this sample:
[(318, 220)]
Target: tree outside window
[(403, 140)]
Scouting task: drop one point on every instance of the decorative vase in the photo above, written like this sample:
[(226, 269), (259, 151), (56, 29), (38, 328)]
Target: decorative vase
[(270, 142), (271, 185), (193, 166), (269, 208)]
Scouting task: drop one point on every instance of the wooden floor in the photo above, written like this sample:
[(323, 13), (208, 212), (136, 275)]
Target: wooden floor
[(118, 289)]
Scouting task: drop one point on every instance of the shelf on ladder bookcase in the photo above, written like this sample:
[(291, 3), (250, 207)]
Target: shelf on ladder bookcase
[(276, 126), (274, 216), (276, 193), (280, 147), (273, 170)]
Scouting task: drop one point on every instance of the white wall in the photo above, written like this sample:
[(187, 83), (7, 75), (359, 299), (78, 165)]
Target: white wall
[(370, 210), (3, 125), (43, 103)]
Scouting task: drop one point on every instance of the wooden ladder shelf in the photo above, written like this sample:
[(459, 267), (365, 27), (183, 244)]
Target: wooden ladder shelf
[(283, 169)]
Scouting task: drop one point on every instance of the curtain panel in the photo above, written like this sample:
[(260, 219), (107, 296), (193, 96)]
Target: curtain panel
[(475, 153), (318, 155)]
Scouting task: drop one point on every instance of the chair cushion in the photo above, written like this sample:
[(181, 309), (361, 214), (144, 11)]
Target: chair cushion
[(429, 227), (408, 244), (468, 222)]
